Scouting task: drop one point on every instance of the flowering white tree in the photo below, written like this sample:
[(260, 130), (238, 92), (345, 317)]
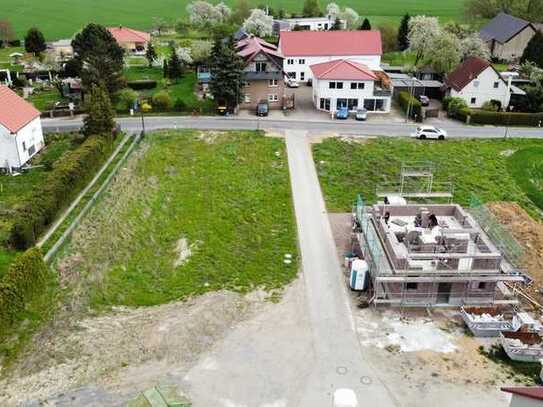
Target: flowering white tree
[(184, 55), (474, 46), (332, 11), (200, 50), (445, 53), (224, 11), (202, 14), (259, 23), (351, 18), (422, 33)]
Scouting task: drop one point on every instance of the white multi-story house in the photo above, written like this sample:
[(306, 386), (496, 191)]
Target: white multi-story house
[(307, 24), (21, 135), (301, 49), (346, 83), (476, 81)]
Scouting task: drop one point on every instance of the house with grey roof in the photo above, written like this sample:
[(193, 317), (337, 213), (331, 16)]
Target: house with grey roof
[(507, 36)]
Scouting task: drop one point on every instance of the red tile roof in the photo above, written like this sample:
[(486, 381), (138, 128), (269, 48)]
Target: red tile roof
[(15, 112), (251, 46), (125, 34), (343, 69), (535, 392), (325, 43), (466, 72)]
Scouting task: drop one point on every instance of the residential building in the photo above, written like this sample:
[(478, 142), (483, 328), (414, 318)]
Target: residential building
[(61, 49), (263, 73), (476, 81), (307, 24), (21, 134), (525, 396), (507, 36), (346, 83), (132, 41), (301, 49)]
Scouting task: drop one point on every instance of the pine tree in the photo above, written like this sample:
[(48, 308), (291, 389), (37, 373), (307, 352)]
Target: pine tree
[(34, 41), (534, 50), (403, 42), (165, 69), (226, 83), (151, 54), (99, 120), (366, 26), (175, 66)]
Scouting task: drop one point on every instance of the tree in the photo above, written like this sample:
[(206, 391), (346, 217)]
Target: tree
[(99, 120), (100, 58), (338, 25), (127, 98), (242, 11), (259, 23), (459, 30), (165, 69), (388, 38), (403, 31), (175, 66), (160, 24), (445, 53), (351, 18), (332, 11), (311, 8), (203, 14), (534, 50), (366, 26), (422, 33), (224, 11), (35, 42), (474, 46), (227, 66), (150, 54), (201, 50), (7, 34)]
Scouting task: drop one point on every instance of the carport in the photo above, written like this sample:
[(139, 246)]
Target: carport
[(417, 87)]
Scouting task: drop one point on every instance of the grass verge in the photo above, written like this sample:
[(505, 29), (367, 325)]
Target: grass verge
[(526, 167)]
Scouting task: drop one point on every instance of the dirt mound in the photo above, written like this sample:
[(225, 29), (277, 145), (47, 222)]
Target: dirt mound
[(529, 233)]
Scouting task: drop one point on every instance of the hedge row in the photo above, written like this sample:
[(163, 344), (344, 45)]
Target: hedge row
[(25, 277), (142, 84), (410, 102), (501, 118), (68, 176)]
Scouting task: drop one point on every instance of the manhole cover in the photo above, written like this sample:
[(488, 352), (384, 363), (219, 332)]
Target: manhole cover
[(342, 370), (365, 380)]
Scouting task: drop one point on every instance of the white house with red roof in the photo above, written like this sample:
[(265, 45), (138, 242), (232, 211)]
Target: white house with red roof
[(129, 39), (525, 396), (346, 83), (301, 49), (21, 135)]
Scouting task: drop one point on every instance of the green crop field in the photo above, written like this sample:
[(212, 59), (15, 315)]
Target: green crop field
[(61, 18)]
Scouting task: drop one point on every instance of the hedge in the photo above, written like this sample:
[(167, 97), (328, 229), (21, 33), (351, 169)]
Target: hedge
[(502, 118), (25, 277), (68, 177), (406, 101), (142, 84)]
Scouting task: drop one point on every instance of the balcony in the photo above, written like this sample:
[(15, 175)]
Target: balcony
[(380, 91)]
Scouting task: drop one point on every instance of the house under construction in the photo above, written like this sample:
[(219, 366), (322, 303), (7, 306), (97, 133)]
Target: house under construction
[(422, 254)]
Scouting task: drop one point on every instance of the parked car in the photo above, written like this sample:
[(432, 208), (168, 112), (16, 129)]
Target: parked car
[(361, 114), (342, 113), (424, 100), (292, 83), (262, 109), (344, 398), (424, 132)]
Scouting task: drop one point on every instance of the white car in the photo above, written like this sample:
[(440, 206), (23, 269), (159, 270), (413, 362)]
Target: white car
[(427, 132), (344, 398), (292, 83)]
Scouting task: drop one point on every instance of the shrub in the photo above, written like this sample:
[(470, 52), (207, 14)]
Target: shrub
[(488, 106), (445, 102), (501, 118), (162, 101), (146, 107), (68, 176), (24, 278), (180, 105), (454, 105), (126, 98), (142, 84), (407, 101)]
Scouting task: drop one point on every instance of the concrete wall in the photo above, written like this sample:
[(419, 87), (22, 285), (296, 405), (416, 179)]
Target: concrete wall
[(260, 90), (513, 49), (521, 401), (482, 89), (15, 149)]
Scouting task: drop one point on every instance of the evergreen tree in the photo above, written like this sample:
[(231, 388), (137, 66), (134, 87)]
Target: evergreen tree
[(175, 66), (366, 26), (534, 50), (165, 69), (150, 54), (227, 66), (34, 41), (100, 57), (311, 8), (337, 25), (99, 120), (403, 42)]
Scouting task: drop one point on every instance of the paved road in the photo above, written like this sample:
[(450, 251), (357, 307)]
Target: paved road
[(339, 359), (133, 124)]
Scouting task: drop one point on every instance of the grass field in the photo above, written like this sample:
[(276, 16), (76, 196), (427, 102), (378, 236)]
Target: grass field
[(191, 212), (526, 167), (474, 166), (62, 18)]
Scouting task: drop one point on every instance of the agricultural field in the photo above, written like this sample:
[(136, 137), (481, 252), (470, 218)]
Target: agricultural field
[(495, 170), (192, 212), (62, 18)]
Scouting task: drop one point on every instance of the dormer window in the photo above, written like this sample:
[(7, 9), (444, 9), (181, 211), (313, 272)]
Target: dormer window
[(261, 67)]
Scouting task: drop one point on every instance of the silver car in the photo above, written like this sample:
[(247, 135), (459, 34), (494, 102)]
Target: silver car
[(429, 132)]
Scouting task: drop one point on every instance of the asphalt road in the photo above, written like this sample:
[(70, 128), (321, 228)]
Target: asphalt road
[(350, 127)]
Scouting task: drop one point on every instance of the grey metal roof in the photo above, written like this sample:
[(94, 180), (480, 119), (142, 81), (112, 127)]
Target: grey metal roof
[(502, 28), (408, 82)]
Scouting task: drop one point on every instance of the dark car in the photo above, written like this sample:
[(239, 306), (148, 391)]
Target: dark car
[(262, 109), (424, 100)]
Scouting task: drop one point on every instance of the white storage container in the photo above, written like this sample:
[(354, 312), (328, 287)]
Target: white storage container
[(359, 275)]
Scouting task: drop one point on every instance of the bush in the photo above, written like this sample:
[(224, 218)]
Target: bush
[(68, 176), (180, 105), (142, 84), (126, 98), (501, 118), (445, 102), (407, 101), (24, 278), (162, 101), (455, 105), (488, 106)]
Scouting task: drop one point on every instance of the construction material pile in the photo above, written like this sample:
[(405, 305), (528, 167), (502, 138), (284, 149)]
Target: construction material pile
[(486, 317)]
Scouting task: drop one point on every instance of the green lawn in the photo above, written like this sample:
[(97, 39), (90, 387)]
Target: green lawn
[(226, 195), (62, 18), (526, 167), (45, 99), (474, 166), (399, 58)]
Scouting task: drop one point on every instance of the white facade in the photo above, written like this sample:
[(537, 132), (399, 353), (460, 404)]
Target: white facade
[(297, 67), (353, 94), (488, 85), (314, 23), (17, 148)]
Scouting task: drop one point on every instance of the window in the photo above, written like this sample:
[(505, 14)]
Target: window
[(292, 75), (302, 76), (331, 85), (473, 101), (358, 85), (272, 83), (261, 67), (476, 84), (339, 85), (24, 146), (496, 85), (352, 104), (481, 285), (335, 85), (341, 102), (273, 98), (411, 286), (325, 104), (353, 85), (246, 84), (301, 61), (247, 98), (290, 61)]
